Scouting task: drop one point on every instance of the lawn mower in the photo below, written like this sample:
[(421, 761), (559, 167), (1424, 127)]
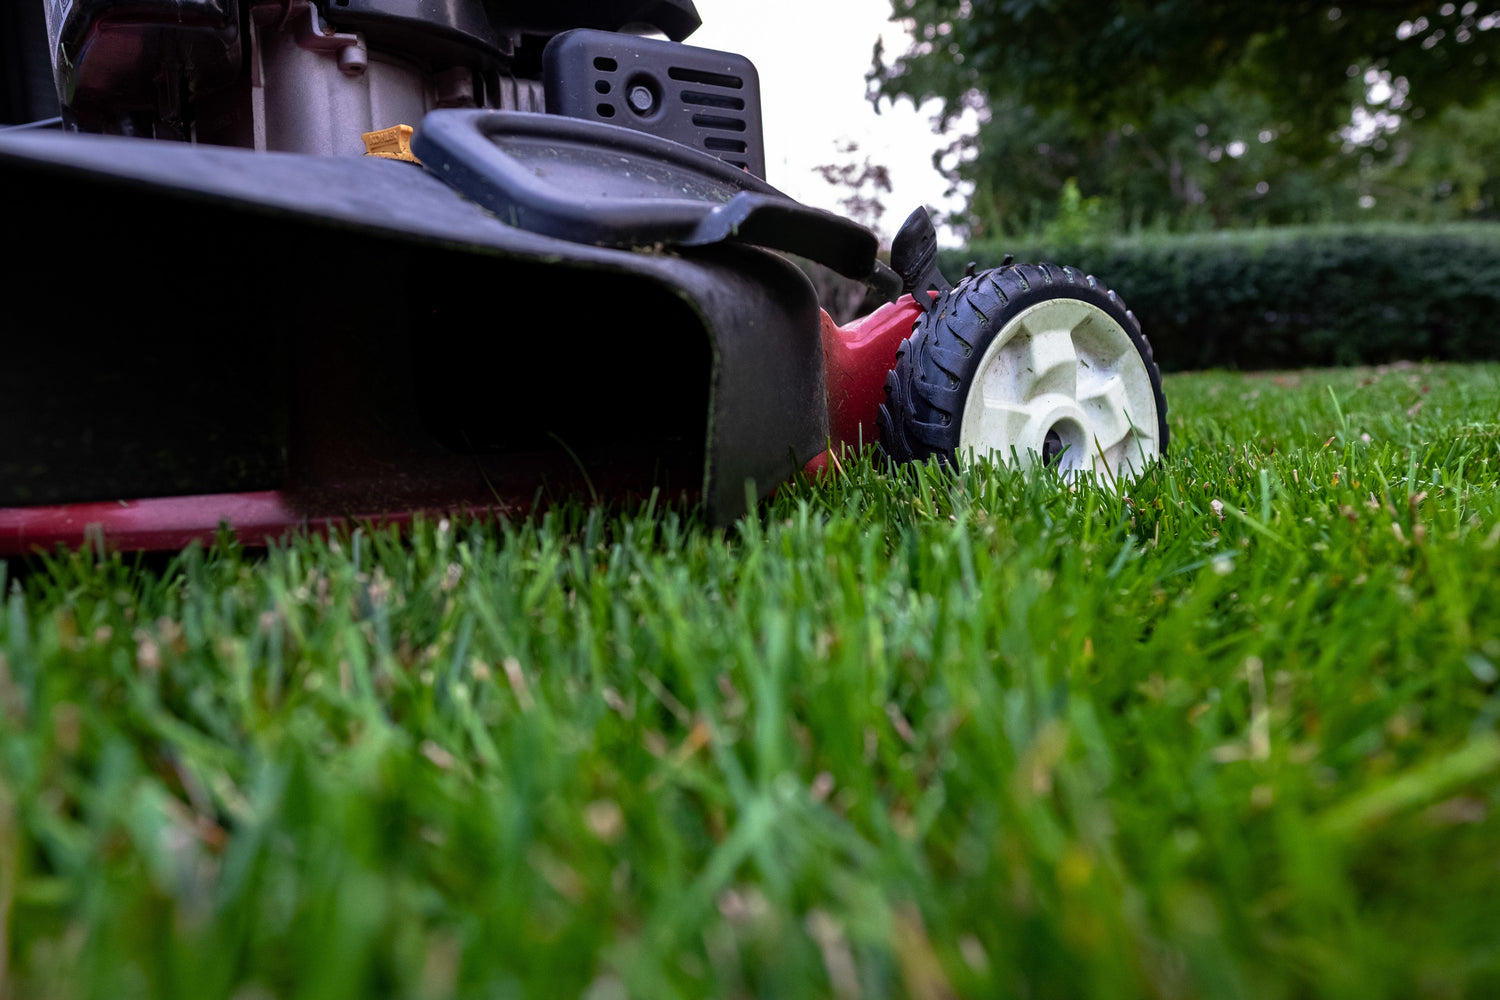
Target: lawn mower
[(283, 263)]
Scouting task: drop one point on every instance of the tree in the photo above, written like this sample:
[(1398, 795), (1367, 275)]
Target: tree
[(863, 182), (1444, 167), (1192, 112), (1210, 162)]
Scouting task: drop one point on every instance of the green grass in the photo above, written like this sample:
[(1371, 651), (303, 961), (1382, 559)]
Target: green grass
[(1233, 735)]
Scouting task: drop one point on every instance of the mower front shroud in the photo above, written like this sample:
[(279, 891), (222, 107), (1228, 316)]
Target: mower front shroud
[(277, 339)]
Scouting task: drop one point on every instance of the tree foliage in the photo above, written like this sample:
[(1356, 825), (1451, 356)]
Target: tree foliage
[(1190, 113), (862, 182)]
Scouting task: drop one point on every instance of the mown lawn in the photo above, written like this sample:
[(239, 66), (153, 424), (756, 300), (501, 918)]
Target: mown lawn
[(1234, 735)]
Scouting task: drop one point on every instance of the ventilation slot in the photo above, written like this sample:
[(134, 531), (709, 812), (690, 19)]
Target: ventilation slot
[(719, 122), (605, 64), (713, 100), (722, 145), (684, 75)]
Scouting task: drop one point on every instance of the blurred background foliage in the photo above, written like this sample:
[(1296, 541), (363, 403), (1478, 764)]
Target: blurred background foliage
[(1186, 115)]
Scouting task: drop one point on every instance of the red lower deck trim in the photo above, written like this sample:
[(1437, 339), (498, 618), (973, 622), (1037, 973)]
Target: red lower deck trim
[(163, 523)]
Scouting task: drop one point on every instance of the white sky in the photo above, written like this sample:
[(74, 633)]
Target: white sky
[(812, 56)]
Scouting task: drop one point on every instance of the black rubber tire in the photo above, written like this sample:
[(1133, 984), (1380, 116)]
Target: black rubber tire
[(937, 364)]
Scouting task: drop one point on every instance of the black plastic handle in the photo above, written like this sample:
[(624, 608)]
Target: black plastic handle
[(589, 182)]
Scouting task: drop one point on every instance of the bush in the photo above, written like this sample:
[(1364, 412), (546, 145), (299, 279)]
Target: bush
[(1278, 298)]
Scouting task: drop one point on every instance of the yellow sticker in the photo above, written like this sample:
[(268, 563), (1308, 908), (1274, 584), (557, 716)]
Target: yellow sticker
[(392, 143)]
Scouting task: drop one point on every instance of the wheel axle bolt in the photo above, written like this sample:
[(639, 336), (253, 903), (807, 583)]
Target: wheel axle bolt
[(641, 99)]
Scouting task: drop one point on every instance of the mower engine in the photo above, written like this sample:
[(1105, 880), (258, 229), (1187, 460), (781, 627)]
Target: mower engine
[(312, 76)]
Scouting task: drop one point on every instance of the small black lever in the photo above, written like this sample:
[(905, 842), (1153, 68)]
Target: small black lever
[(914, 257)]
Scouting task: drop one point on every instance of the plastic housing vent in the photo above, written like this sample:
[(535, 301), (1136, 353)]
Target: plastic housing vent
[(702, 98)]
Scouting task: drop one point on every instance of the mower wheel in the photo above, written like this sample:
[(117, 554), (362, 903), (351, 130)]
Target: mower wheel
[(1027, 363)]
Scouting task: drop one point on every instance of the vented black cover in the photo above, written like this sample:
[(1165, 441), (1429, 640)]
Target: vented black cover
[(702, 98)]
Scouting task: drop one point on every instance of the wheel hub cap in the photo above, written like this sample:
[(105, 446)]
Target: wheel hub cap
[(1062, 384)]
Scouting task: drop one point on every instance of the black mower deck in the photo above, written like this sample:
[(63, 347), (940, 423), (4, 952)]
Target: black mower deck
[(355, 336)]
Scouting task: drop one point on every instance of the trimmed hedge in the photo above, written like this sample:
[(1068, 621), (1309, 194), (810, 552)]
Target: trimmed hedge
[(1280, 298)]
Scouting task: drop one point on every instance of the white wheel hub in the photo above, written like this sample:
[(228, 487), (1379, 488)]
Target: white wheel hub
[(1062, 383)]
